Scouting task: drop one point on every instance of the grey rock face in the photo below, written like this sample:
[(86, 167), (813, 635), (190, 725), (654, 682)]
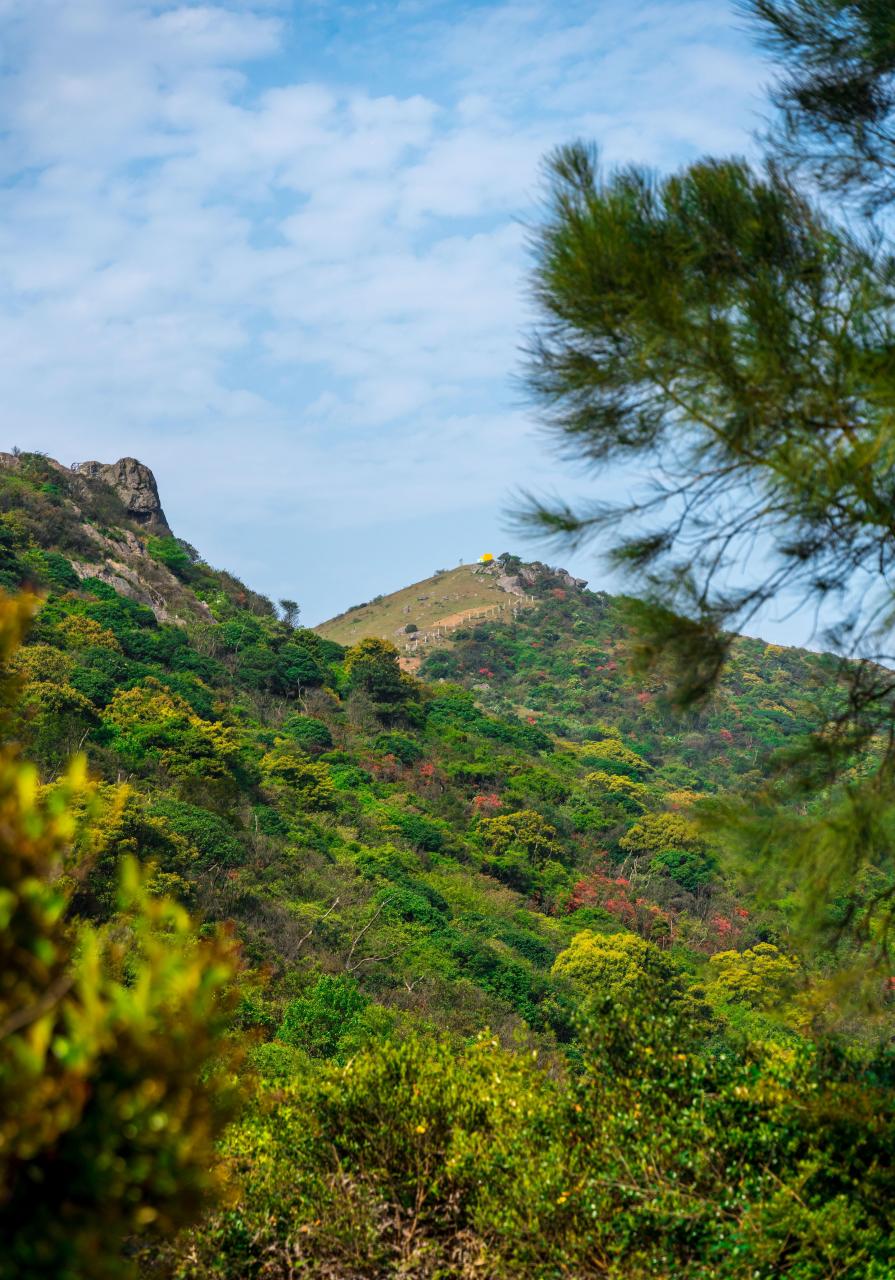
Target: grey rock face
[(531, 574), (135, 485)]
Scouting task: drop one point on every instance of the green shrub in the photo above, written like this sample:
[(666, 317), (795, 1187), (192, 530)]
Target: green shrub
[(296, 668), (408, 904), (101, 672), (372, 665), (113, 610), (326, 1018), (59, 572), (193, 691), (529, 945), (513, 868), (476, 773), (310, 734), (269, 821), (162, 645), (210, 834), (405, 749), (420, 831), (170, 553), (691, 868), (256, 666)]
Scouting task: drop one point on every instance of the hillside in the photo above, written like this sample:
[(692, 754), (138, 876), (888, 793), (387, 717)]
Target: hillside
[(424, 614), (556, 654), (404, 859)]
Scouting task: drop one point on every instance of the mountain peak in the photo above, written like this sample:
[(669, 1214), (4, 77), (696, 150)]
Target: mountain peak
[(428, 612), (135, 485)]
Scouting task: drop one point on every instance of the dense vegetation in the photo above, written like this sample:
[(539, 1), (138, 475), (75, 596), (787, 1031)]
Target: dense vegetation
[(115, 1074), (311, 966), (505, 1008)]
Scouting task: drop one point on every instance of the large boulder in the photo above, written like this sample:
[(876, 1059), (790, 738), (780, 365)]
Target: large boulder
[(135, 485)]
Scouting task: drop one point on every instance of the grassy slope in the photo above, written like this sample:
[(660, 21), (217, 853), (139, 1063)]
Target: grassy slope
[(436, 604)]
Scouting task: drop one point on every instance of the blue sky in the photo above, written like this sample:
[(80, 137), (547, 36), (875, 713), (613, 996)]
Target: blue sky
[(277, 251)]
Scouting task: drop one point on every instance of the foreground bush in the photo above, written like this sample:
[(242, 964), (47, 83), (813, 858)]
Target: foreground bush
[(114, 1086), (655, 1159)]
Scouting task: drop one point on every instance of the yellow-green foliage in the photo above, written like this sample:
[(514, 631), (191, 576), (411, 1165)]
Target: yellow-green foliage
[(427, 1159), (658, 831), (56, 699), (613, 963), (306, 781), (79, 632), (618, 784), (372, 665), (121, 828), (524, 830), (43, 662), (153, 723), (56, 714), (444, 1141), (106, 1126), (615, 752), (599, 726), (759, 977)]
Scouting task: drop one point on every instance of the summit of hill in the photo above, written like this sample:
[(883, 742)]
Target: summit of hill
[(426, 614)]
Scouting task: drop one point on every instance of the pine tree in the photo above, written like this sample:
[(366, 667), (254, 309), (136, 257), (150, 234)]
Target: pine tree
[(836, 96), (725, 332)]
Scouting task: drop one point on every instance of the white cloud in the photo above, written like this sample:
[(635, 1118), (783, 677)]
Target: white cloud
[(295, 286)]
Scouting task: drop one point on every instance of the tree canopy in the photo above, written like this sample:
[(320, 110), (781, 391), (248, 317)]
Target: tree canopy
[(726, 332), (836, 94)]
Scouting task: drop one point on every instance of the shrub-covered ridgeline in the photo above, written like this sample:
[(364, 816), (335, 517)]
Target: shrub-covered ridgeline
[(502, 1007)]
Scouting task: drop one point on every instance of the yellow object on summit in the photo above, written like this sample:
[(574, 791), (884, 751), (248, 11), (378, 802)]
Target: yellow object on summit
[(487, 558)]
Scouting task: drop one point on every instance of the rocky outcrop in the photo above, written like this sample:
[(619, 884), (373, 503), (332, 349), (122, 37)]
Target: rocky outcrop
[(126, 565), (107, 547), (567, 580), (511, 584), (528, 577), (135, 485)]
